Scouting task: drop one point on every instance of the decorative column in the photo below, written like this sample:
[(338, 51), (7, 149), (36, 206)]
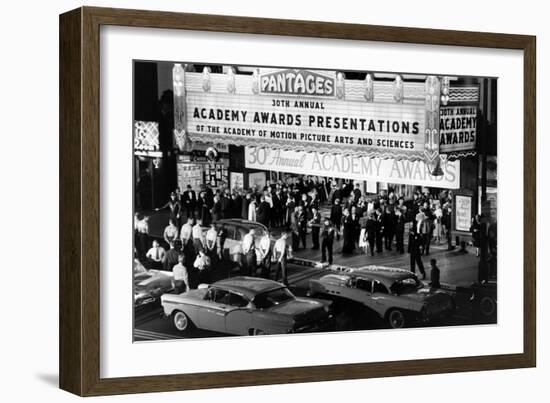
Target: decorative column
[(180, 135), (431, 134)]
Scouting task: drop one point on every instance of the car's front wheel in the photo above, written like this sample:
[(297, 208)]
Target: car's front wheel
[(397, 319), (181, 321), (258, 332)]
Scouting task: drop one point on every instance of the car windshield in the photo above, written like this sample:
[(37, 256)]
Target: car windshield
[(405, 285), (273, 298)]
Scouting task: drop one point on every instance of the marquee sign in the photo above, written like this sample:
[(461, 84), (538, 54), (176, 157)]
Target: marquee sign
[(353, 167), (384, 130), (314, 111), (457, 128)]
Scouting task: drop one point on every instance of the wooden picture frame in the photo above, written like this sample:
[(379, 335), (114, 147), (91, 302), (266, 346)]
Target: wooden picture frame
[(79, 346)]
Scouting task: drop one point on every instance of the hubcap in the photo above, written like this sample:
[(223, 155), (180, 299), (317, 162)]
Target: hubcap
[(487, 306), (180, 320), (397, 320)]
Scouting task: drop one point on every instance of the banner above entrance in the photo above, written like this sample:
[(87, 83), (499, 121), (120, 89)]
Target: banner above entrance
[(353, 167)]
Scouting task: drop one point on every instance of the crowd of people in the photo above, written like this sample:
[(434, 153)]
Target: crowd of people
[(369, 224)]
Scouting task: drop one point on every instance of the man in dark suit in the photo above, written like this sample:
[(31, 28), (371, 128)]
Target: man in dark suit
[(190, 201), (225, 202), (415, 250), (399, 230), (262, 215)]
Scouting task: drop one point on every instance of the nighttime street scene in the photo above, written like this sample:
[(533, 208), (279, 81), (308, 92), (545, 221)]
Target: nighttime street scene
[(281, 200)]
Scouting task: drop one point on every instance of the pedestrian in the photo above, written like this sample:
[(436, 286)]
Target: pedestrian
[(244, 206), (171, 232), (171, 257), (336, 216), (225, 202), (315, 223), (475, 229), (175, 208), (415, 251), (216, 210), (220, 245), (203, 263), (155, 255), (198, 237), (425, 231), (363, 244), (438, 223), (349, 233), (371, 228), (211, 242), (388, 219), (263, 255), (263, 211), (281, 253), (434, 274), (181, 276), (186, 232), (327, 242), (290, 207), (190, 201), (142, 233), (379, 231), (249, 252), (301, 220), (252, 208), (399, 230), (204, 210)]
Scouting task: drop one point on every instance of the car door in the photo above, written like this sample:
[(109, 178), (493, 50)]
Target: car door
[(214, 309), (379, 298), (360, 290), (239, 319)]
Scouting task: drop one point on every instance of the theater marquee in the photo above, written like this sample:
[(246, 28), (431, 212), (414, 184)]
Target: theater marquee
[(320, 111)]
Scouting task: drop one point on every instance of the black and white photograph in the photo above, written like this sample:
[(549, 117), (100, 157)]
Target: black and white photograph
[(282, 200)]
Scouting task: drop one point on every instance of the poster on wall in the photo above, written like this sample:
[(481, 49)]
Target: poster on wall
[(256, 180), (463, 213), (189, 173), (236, 180)]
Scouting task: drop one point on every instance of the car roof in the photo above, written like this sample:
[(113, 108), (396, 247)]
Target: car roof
[(239, 222), (247, 286), (387, 275)]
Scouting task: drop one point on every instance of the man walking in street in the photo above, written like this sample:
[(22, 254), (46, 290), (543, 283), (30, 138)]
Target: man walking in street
[(399, 230), (249, 251), (281, 253), (415, 244), (327, 242), (198, 238), (315, 223), (181, 276)]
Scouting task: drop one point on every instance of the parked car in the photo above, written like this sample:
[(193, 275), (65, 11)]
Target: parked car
[(149, 285), (235, 230), (395, 295), (246, 306)]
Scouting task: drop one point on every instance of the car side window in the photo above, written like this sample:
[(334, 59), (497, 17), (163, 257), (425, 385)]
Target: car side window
[(237, 300), (363, 284), (239, 234), (379, 287), (222, 297)]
